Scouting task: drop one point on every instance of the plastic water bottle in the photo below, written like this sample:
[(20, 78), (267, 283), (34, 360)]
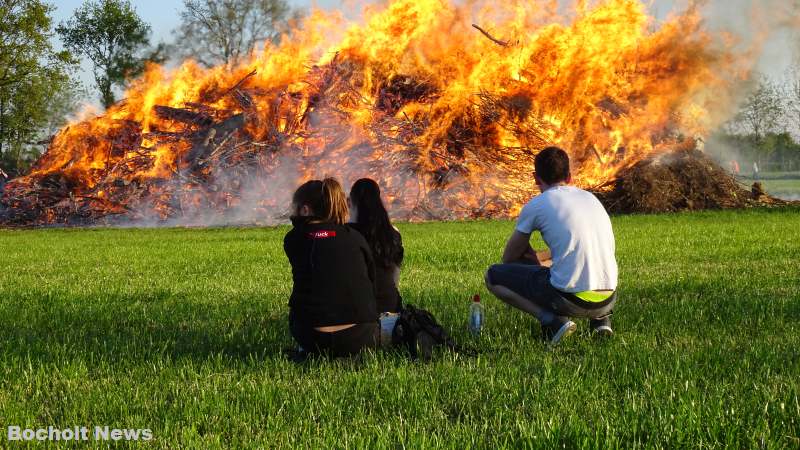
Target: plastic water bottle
[(476, 316)]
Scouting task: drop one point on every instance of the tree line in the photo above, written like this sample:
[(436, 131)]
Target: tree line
[(39, 86), (766, 129)]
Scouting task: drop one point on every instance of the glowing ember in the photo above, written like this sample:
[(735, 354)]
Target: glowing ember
[(445, 115)]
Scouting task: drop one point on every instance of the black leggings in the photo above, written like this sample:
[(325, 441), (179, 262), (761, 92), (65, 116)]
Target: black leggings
[(337, 344)]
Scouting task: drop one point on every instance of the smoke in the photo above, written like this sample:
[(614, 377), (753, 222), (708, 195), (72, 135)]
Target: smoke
[(764, 34), (755, 29), (763, 29), (262, 195)]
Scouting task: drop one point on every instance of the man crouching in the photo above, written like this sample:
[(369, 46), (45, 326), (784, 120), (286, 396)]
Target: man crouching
[(578, 276)]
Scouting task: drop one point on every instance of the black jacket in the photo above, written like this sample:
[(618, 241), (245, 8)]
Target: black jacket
[(386, 292), (333, 275)]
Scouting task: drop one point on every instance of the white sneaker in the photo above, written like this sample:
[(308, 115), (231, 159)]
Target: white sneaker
[(601, 327), (604, 331), (557, 331)]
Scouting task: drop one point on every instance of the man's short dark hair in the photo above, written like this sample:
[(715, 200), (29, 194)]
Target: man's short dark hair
[(552, 165)]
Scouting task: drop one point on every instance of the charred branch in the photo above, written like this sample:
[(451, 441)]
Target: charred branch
[(490, 37), (216, 136), (183, 115)]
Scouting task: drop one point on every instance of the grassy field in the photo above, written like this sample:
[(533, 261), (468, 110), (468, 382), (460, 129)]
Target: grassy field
[(181, 331), (788, 189), (784, 185)]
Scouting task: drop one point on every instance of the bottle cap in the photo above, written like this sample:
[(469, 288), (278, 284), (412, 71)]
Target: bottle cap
[(476, 298)]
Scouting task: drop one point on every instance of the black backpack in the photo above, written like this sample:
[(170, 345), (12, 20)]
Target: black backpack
[(418, 332)]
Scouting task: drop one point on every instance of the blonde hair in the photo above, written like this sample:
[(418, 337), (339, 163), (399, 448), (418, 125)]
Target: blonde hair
[(326, 199), (335, 201)]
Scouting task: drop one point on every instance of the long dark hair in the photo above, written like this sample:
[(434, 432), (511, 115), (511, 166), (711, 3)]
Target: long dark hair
[(373, 221), (325, 198)]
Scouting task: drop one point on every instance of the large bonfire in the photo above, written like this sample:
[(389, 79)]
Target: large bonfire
[(444, 104)]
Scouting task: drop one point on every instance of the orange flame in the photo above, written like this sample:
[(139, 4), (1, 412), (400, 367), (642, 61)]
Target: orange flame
[(446, 115)]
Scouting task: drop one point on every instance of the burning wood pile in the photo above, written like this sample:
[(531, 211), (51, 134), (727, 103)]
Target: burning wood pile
[(226, 157), (446, 116)]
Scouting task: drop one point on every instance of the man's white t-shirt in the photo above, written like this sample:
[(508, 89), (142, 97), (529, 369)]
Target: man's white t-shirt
[(578, 231)]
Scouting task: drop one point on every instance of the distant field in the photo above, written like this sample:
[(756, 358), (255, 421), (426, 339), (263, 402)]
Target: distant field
[(789, 189), (784, 185), (181, 331)]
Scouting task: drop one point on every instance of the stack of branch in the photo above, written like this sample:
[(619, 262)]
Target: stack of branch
[(684, 180), (215, 150), (125, 184)]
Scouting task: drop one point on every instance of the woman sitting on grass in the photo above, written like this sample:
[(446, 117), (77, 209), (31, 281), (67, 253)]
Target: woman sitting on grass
[(369, 217), (332, 306)]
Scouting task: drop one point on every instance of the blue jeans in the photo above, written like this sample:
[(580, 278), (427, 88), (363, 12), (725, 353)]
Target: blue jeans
[(533, 283)]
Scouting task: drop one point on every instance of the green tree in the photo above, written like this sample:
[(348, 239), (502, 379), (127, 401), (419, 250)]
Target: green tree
[(787, 152), (215, 32), (34, 81), (792, 94), (114, 38), (761, 114)]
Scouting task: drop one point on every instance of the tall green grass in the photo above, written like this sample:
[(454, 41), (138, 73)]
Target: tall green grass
[(181, 331)]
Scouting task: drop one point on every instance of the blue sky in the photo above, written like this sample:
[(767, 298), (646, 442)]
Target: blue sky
[(164, 16)]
